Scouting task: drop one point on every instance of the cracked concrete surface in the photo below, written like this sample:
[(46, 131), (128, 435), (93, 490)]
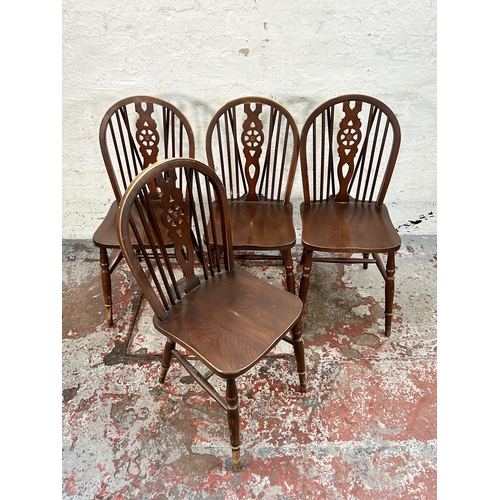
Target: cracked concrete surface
[(365, 429)]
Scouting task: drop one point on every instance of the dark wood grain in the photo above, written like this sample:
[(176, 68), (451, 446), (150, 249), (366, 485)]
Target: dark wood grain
[(134, 133), (253, 143), (258, 225), (348, 227), (348, 151), (224, 316), (231, 321)]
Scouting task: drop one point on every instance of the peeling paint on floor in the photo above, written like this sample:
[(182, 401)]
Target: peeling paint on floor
[(365, 429)]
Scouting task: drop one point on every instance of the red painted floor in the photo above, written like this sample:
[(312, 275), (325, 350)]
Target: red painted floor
[(366, 428)]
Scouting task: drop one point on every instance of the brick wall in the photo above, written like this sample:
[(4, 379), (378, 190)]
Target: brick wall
[(200, 54)]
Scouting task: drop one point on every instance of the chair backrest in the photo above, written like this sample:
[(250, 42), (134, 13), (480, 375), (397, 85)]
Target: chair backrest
[(253, 144), (139, 131), (348, 150), (180, 206)]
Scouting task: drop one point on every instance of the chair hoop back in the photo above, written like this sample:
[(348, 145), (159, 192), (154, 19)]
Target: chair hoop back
[(174, 200), (348, 150), (139, 131), (253, 142)]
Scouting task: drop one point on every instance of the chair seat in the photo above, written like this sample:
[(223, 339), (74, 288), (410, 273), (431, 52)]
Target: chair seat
[(260, 225), (106, 235), (231, 321), (348, 227)]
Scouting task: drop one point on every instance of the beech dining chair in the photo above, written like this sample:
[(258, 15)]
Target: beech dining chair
[(253, 143), (135, 132), (212, 313), (348, 150)]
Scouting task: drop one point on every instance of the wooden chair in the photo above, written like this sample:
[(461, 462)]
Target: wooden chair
[(223, 316), (348, 150), (135, 133), (252, 143)]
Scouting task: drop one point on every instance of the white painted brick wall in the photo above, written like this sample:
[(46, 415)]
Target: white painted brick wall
[(200, 54)]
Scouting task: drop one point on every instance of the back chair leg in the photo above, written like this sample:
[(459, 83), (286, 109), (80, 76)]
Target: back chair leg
[(307, 256), (106, 284), (303, 256), (365, 256), (165, 363), (389, 291), (233, 419), (290, 277), (212, 256)]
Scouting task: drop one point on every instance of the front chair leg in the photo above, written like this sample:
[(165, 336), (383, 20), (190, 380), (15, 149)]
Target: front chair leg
[(106, 284), (233, 419), (290, 278), (298, 349), (389, 291), (167, 357)]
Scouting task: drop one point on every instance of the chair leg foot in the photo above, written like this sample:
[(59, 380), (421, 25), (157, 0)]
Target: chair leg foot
[(162, 375), (109, 315), (236, 460), (303, 383), (388, 326), (165, 363)]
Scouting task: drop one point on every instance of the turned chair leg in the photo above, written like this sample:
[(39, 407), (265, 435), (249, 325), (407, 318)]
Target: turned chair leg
[(306, 260), (233, 419), (298, 349), (290, 277), (365, 264), (167, 357), (106, 284), (389, 291), (303, 256)]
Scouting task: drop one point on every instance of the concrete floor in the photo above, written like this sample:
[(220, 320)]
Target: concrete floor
[(366, 428)]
